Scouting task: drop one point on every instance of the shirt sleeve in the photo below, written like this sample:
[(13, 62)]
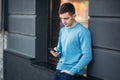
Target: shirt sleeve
[(59, 47), (85, 42)]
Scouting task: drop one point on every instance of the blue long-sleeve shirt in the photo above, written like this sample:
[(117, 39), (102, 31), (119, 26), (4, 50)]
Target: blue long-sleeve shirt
[(74, 48)]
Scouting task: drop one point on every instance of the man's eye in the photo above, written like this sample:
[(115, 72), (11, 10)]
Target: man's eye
[(65, 18)]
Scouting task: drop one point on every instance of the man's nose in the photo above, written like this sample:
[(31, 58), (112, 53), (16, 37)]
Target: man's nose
[(63, 21)]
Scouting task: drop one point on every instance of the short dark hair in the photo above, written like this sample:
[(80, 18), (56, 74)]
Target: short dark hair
[(67, 7)]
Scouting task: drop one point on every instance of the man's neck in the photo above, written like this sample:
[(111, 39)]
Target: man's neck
[(74, 23)]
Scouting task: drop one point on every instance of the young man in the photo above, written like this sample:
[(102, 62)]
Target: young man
[(74, 46)]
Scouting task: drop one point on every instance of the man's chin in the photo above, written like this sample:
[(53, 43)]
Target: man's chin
[(66, 25)]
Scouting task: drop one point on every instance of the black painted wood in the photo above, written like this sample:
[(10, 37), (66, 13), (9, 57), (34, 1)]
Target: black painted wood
[(105, 32), (104, 26), (104, 8)]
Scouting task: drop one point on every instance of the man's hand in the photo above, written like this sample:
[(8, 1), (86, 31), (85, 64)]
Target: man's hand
[(55, 54), (65, 71)]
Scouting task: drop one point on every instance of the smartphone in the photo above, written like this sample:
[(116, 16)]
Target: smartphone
[(52, 49)]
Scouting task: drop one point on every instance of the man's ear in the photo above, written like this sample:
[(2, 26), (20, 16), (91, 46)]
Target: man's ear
[(74, 15)]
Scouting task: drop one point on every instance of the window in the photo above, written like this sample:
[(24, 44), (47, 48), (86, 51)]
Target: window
[(54, 28)]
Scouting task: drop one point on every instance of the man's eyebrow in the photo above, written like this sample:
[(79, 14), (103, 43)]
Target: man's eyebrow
[(64, 18)]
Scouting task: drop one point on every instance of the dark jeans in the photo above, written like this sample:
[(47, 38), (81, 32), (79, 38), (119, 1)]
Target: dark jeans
[(63, 76)]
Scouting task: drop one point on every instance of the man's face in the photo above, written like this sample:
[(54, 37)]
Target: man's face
[(67, 19)]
